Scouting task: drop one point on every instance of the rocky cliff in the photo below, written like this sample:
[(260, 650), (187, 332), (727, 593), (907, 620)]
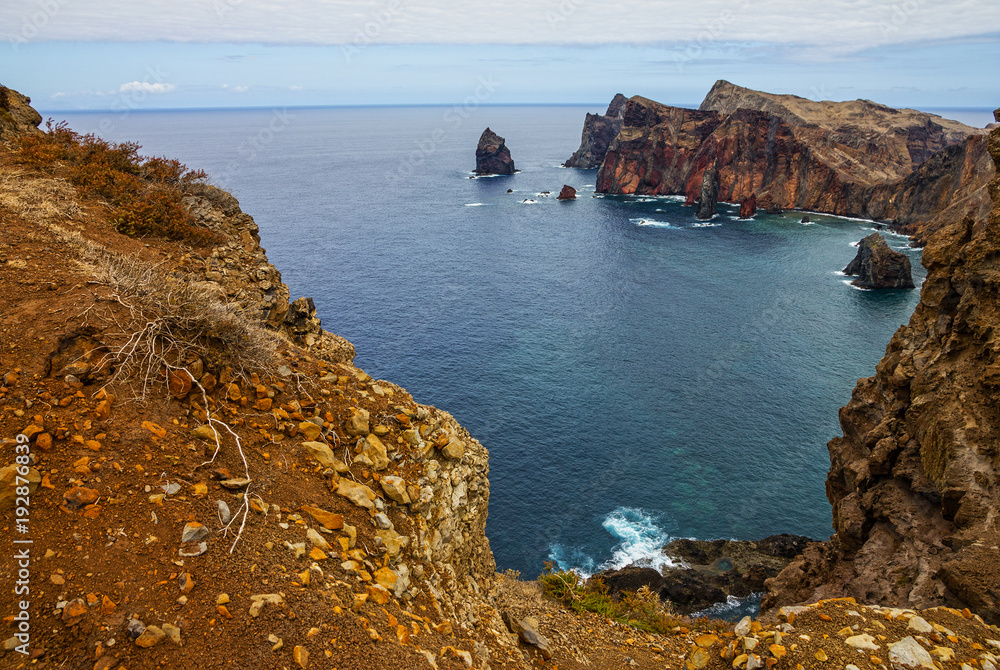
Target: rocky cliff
[(598, 132), (914, 479), (848, 158)]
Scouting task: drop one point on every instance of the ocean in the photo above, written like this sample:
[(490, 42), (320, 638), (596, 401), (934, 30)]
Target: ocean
[(636, 375)]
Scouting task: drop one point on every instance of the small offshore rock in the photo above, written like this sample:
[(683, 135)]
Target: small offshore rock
[(492, 155)]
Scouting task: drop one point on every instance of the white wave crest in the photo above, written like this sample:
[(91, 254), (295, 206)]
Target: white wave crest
[(652, 222), (640, 542)]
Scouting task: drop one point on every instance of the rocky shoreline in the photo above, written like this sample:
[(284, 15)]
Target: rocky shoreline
[(709, 572)]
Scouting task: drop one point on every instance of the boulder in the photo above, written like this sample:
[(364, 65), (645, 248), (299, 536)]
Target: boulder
[(567, 193), (749, 207), (631, 578), (492, 155), (878, 266)]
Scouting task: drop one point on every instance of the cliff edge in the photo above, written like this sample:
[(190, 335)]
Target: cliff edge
[(913, 480)]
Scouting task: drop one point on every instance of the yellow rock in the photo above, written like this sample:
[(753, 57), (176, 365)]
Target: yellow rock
[(777, 650), (379, 594), (706, 640), (317, 554), (301, 656), (821, 656), (698, 658), (943, 654), (328, 520), (157, 430), (310, 430), (386, 578)]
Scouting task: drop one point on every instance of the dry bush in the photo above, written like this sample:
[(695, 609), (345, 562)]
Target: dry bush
[(145, 192), (38, 200), (170, 322)]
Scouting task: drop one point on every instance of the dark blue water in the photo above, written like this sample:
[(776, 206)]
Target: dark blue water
[(636, 376)]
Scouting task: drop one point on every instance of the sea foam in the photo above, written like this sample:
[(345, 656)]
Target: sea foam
[(640, 542)]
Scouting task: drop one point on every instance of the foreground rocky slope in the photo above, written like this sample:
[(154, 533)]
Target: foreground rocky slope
[(913, 480), (197, 506), (852, 158)]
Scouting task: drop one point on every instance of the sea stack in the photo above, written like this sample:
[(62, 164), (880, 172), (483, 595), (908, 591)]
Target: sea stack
[(598, 132), (567, 193), (709, 192), (492, 155), (749, 207), (878, 266)]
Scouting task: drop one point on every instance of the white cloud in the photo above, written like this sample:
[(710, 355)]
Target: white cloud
[(836, 25), (236, 89), (145, 87)]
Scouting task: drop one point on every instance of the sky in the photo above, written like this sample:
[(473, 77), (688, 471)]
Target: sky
[(147, 54)]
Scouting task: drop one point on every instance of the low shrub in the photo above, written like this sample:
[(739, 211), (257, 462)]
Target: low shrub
[(642, 610), (145, 192)]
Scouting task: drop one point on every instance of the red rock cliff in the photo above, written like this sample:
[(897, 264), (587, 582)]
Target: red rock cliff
[(848, 158)]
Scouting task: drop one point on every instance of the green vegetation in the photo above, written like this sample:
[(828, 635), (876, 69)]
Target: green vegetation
[(642, 610), (145, 193)]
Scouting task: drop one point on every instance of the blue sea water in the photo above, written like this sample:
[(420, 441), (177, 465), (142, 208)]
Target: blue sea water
[(637, 375)]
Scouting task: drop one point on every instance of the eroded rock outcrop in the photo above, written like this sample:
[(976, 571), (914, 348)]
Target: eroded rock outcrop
[(851, 158), (492, 155), (239, 268), (17, 116), (598, 132), (877, 266), (914, 479)]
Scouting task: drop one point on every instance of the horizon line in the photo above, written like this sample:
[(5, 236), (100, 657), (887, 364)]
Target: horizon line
[(106, 110)]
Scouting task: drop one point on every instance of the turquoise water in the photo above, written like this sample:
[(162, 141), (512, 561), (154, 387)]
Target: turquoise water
[(636, 375)]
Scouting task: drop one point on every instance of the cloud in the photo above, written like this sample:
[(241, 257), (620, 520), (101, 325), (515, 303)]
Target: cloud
[(236, 89), (145, 87), (834, 25)]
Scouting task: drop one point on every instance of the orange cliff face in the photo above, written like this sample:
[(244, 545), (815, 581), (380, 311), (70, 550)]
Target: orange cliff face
[(915, 479), (852, 158)]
